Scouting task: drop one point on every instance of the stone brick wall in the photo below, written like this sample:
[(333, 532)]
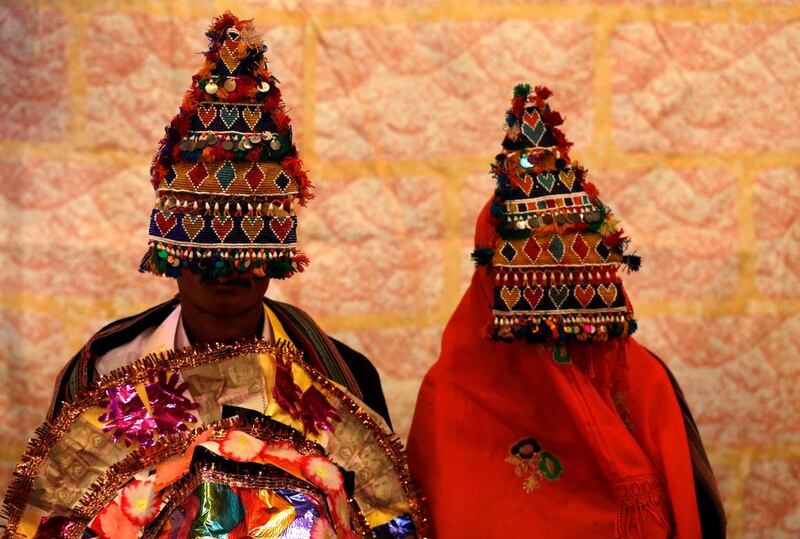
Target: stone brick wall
[(686, 114)]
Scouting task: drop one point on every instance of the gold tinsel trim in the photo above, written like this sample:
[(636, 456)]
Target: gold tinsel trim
[(51, 431), (26, 472), (391, 445)]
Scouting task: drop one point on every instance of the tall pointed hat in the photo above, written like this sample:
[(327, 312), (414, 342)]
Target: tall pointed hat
[(227, 172), (558, 249)]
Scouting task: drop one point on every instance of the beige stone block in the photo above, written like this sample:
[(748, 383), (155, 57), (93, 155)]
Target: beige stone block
[(442, 89), (741, 374), (684, 225), (777, 228), (689, 87), (772, 500), (33, 68)]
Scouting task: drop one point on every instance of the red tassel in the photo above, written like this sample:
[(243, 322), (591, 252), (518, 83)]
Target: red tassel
[(282, 120), (159, 172), (552, 117), (294, 166), (272, 101), (543, 92), (301, 261), (262, 73), (590, 189), (181, 121), (518, 106), (245, 88), (563, 144), (205, 155), (213, 154), (222, 23), (193, 96), (614, 238)]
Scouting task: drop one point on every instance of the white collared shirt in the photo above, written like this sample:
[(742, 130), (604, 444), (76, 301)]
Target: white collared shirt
[(169, 335)]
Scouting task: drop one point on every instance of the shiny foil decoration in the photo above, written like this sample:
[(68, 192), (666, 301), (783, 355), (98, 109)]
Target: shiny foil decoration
[(311, 407), (167, 410), (318, 414)]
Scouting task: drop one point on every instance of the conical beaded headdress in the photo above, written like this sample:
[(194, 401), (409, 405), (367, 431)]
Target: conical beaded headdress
[(558, 248), (227, 172)]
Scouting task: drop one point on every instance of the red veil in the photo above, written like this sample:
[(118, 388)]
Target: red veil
[(506, 442)]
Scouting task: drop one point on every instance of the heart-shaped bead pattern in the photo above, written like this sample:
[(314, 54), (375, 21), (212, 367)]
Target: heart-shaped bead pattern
[(251, 115), (229, 115), (525, 183), (207, 113), (165, 221), (567, 177), (252, 226), (281, 226), (546, 180), (558, 294), (222, 226), (533, 296), (584, 294), (510, 296), (608, 292), (193, 224)]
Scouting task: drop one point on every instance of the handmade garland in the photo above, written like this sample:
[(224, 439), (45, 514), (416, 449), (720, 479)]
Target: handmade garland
[(137, 454)]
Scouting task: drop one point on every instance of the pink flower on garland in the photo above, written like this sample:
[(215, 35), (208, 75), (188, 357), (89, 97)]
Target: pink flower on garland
[(282, 451), (111, 523), (240, 446), (323, 473), (129, 418), (140, 502), (322, 529)]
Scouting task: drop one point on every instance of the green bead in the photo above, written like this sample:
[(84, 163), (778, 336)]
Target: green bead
[(550, 466), (560, 354)]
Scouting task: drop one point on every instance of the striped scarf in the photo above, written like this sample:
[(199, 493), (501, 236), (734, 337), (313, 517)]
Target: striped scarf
[(318, 349)]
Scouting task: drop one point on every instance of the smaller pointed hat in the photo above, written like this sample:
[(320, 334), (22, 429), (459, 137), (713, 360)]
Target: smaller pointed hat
[(227, 173), (558, 249)]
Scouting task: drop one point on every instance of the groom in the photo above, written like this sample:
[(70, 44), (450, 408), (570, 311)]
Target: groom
[(227, 177)]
